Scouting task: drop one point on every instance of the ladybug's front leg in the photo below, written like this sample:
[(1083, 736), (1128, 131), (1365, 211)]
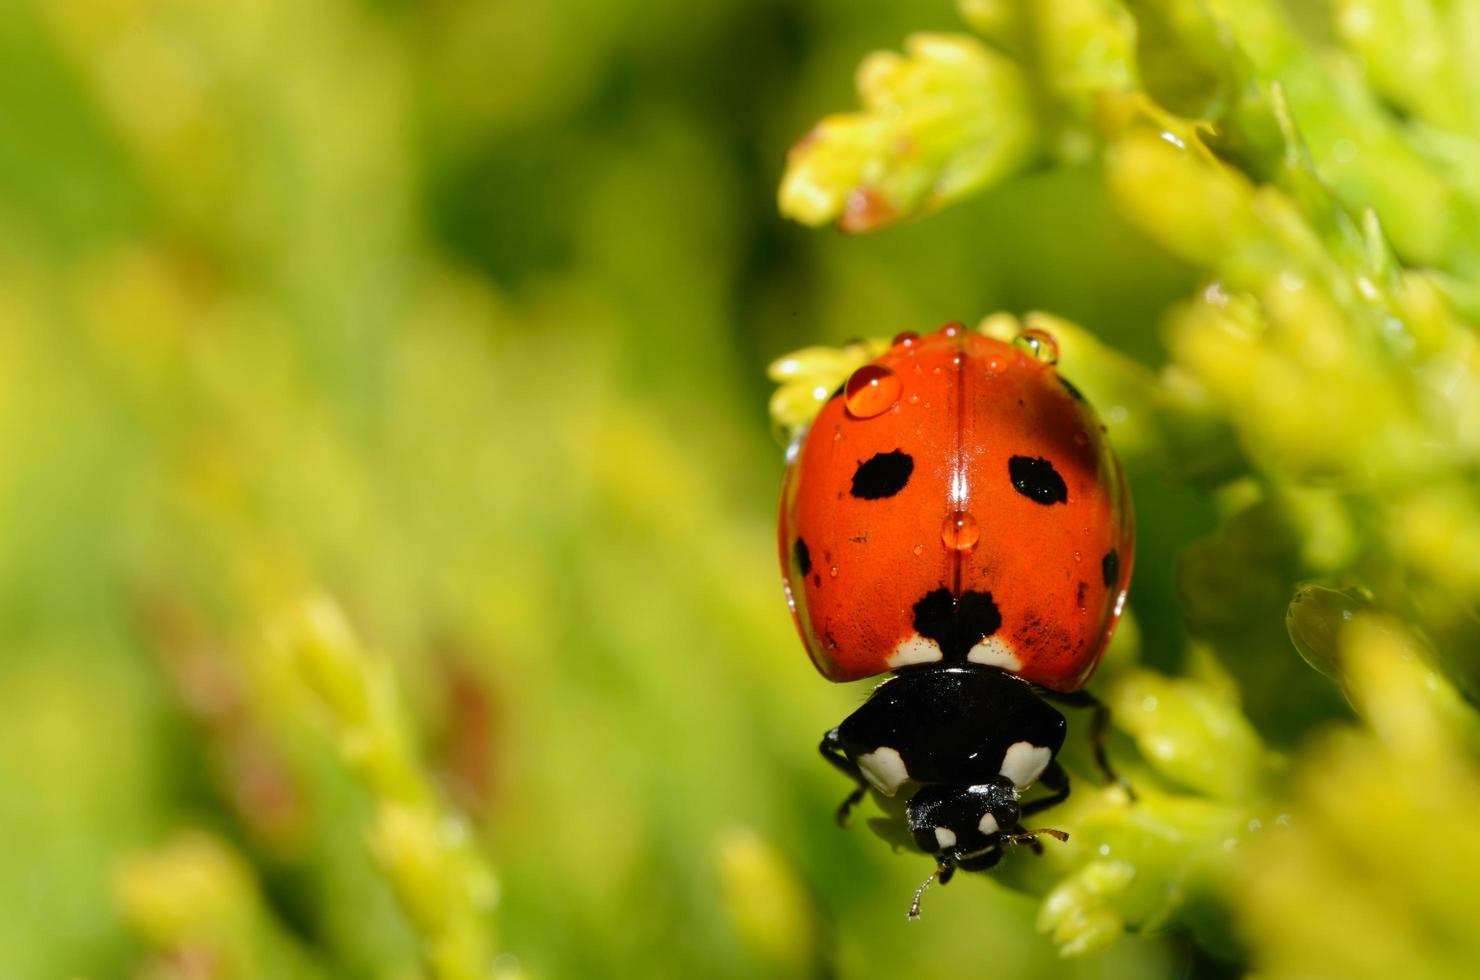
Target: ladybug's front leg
[(832, 750), (1099, 729), (1054, 778)]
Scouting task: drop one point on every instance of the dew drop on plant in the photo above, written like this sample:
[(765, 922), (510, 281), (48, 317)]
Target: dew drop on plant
[(959, 531), (952, 329), (872, 390), (1038, 344)]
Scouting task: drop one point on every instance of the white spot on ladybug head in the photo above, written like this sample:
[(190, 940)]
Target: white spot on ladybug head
[(988, 825), (915, 650), (993, 651), (945, 837), (1024, 763), (884, 769)]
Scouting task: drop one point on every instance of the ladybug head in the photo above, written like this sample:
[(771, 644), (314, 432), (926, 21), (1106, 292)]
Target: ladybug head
[(965, 826)]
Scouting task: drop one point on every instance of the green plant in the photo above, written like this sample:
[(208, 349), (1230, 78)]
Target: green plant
[(1322, 384)]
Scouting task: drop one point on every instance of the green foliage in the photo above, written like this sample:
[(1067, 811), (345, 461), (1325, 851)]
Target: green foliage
[(387, 503), (1343, 363)]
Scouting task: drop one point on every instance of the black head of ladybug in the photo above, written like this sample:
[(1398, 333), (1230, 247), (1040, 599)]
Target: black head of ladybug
[(964, 826)]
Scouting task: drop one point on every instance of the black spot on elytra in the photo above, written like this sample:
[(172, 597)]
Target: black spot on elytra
[(1036, 479), (1079, 597), (1074, 392), (1110, 568), (817, 580), (956, 624), (882, 475), (802, 556)]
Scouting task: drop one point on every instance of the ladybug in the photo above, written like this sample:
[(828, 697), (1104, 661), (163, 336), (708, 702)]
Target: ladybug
[(955, 517)]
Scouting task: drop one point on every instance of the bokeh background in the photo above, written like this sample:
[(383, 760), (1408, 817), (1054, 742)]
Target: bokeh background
[(436, 332)]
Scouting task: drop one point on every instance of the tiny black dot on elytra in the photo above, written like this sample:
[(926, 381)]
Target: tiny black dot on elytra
[(1110, 568), (816, 580), (802, 556), (1036, 479), (882, 475)]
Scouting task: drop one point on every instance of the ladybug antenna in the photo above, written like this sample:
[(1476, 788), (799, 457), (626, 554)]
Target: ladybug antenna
[(1031, 836), (941, 872)]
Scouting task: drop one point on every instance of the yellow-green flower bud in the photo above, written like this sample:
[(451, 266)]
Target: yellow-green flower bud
[(948, 118)]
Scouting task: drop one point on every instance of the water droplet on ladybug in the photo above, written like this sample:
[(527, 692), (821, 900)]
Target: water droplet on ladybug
[(871, 390), (952, 329), (1038, 344), (1081, 439), (919, 549), (1078, 556), (907, 338), (833, 571), (996, 364), (959, 531)]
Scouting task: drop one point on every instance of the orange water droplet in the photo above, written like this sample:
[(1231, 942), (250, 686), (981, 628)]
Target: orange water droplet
[(872, 390), (833, 572), (919, 549), (996, 364), (906, 339), (1038, 344), (952, 329), (960, 531)]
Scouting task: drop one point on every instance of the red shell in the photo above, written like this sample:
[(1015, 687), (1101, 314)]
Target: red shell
[(1055, 570)]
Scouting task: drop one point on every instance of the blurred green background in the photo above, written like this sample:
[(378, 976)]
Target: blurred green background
[(453, 316)]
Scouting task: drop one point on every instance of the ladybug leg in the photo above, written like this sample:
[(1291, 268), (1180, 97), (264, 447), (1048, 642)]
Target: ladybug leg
[(1054, 778), (1099, 726), (849, 802), (832, 750)]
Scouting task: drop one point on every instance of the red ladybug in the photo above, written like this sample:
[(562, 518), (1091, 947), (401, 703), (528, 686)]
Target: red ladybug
[(955, 515)]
